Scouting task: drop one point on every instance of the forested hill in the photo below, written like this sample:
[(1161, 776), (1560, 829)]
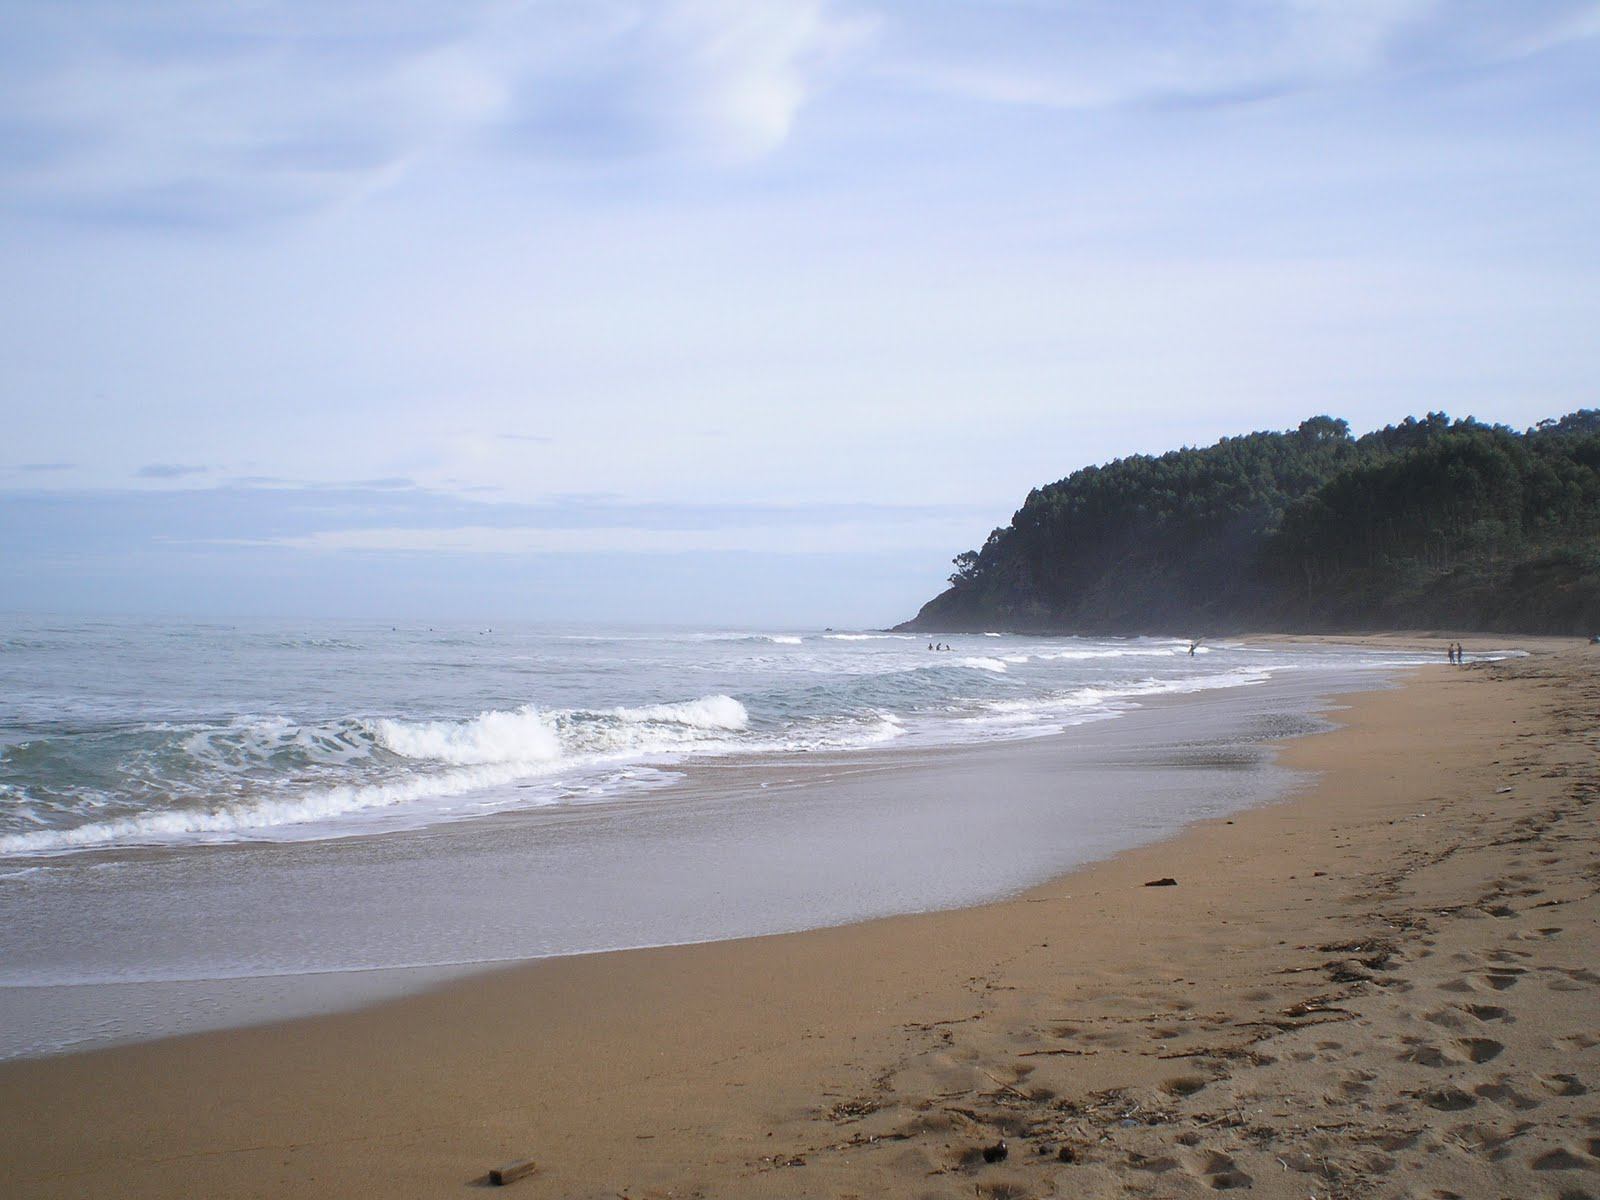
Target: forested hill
[(1425, 524)]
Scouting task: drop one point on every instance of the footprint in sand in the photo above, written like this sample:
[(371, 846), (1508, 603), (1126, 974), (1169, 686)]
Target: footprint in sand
[(1423, 1054), (1490, 1140), (1576, 978), (1564, 1085), (1560, 1159), (1221, 1172), (1479, 1050), (1505, 956), (1156, 1166), (1566, 985), (1505, 1095), (1354, 1084), (1462, 1016), (1448, 1099), (1530, 935)]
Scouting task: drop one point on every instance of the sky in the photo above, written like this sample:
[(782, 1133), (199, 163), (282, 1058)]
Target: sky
[(736, 311)]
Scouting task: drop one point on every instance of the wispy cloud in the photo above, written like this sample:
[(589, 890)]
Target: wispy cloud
[(217, 116), (1116, 53), (189, 114), (169, 471)]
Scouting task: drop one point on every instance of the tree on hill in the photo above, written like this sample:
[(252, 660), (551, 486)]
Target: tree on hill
[(1412, 523)]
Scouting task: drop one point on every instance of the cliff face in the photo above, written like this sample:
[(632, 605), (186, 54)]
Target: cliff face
[(1419, 524)]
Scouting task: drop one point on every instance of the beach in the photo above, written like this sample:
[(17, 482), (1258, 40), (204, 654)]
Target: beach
[(1381, 985)]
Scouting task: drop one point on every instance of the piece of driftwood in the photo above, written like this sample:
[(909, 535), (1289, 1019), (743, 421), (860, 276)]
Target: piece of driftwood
[(511, 1172)]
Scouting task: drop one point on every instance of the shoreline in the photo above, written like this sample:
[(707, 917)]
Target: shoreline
[(734, 849), (1355, 984)]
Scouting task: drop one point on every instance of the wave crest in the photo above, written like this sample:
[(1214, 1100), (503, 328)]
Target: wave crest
[(496, 736), (708, 712), (985, 664)]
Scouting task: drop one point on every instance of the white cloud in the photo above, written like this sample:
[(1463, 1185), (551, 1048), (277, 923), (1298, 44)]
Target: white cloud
[(226, 114), (1346, 37), (1107, 53), (748, 68), (199, 113)]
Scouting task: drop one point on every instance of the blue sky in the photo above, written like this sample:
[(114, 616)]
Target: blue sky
[(736, 310)]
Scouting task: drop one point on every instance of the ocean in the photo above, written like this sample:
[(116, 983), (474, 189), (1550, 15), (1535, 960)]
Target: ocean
[(205, 822)]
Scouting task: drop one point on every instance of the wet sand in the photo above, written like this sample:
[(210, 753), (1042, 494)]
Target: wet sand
[(1383, 986), (110, 948)]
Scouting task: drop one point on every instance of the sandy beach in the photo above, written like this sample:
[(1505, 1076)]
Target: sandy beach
[(1384, 985)]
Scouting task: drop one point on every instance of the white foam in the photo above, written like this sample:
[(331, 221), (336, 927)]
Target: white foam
[(1094, 655), (985, 664), (260, 819), (1238, 677), (250, 741), (519, 736), (708, 712), (885, 729), (870, 637)]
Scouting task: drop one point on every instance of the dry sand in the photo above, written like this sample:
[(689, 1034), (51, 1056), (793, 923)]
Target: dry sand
[(1384, 986)]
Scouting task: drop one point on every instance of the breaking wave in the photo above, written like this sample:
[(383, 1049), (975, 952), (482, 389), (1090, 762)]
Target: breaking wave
[(194, 742)]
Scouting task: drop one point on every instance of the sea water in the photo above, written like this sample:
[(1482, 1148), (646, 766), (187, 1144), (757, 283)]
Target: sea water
[(188, 803)]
